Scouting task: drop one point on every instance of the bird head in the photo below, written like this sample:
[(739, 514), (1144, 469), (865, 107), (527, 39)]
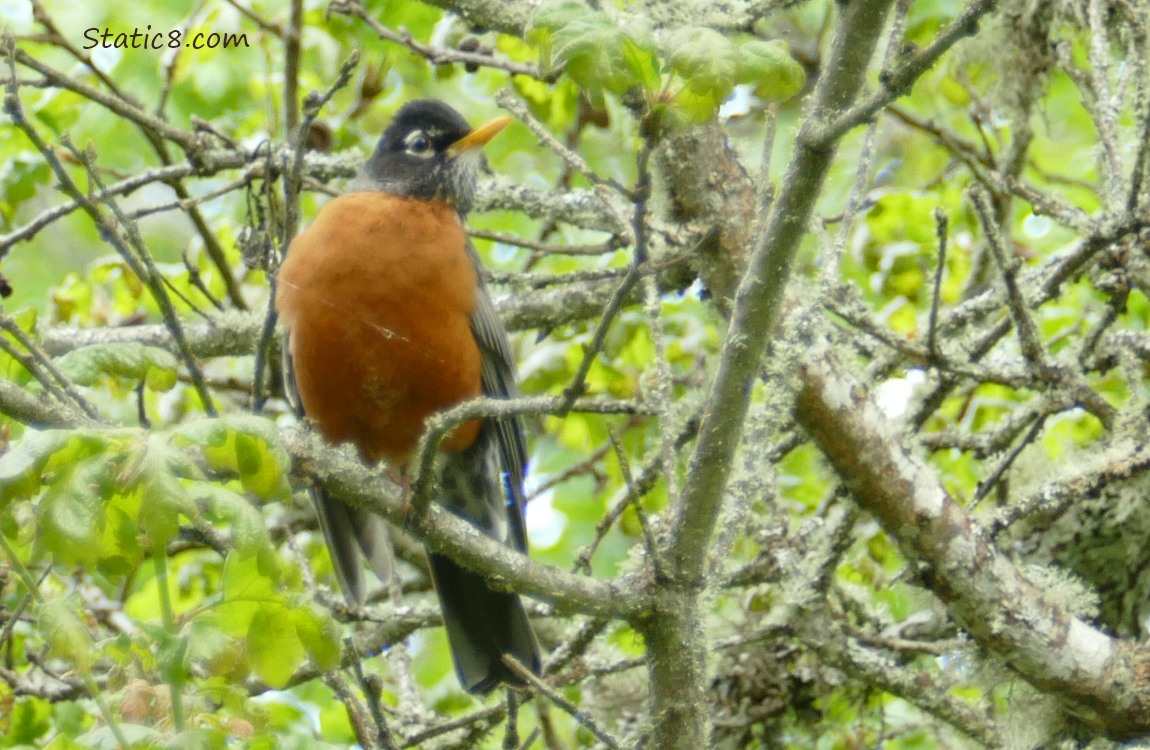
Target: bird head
[(429, 151)]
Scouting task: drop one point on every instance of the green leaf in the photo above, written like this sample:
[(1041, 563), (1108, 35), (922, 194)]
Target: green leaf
[(212, 435), (699, 104), (556, 15), (198, 738), (28, 720), (274, 649), (590, 50), (245, 590), (247, 446), (22, 466), (100, 491), (21, 177), (210, 647), (249, 535), (642, 62), (138, 736), (171, 655), (155, 366), (279, 634), (154, 469), (708, 63), (702, 57), (768, 65), (65, 633), (321, 637), (593, 49), (71, 512)]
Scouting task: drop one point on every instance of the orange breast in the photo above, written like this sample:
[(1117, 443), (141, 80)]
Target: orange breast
[(377, 296)]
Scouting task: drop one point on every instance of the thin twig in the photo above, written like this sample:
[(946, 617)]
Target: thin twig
[(511, 730), (197, 282), (511, 103), (898, 81), (439, 425), (135, 252), (41, 367), (142, 266), (371, 691), (155, 130), (291, 189), (941, 222), (546, 248), (603, 186), (832, 255), (573, 647), (169, 69), (487, 717), (585, 466), (355, 713), (123, 187), (1103, 111), (577, 386), (435, 55), (640, 514), (631, 494), (58, 39), (30, 595), (116, 104), (270, 27), (989, 483), (1028, 337), (183, 204), (530, 741), (1140, 170), (293, 42), (582, 717)]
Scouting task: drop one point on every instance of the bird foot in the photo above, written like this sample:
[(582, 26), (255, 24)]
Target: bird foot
[(404, 481)]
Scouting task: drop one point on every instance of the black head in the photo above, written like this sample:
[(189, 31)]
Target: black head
[(429, 151)]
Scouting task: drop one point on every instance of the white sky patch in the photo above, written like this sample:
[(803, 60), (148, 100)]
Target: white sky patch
[(544, 524), (442, 31), (106, 59), (1036, 226), (894, 395), (309, 712), (739, 103), (16, 16)]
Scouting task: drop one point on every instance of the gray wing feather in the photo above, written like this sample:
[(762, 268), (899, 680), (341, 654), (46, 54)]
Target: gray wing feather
[(484, 483), (498, 377)]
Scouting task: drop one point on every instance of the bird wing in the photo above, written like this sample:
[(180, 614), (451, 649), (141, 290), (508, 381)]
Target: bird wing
[(484, 483), (498, 380)]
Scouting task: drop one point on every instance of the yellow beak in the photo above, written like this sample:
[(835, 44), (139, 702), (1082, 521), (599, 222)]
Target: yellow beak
[(479, 137)]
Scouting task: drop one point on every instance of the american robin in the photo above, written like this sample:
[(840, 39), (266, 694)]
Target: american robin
[(388, 322)]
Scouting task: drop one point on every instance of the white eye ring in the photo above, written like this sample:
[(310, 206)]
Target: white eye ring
[(418, 144)]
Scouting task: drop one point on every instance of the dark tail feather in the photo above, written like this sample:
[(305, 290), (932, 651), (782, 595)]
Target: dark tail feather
[(482, 625), (345, 529)]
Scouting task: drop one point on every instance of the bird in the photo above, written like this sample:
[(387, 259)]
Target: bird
[(388, 321)]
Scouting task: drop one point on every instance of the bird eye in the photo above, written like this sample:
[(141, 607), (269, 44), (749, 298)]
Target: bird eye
[(418, 144)]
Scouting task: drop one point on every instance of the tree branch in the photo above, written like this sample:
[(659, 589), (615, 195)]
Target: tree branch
[(675, 648), (347, 479), (760, 294), (1102, 680)]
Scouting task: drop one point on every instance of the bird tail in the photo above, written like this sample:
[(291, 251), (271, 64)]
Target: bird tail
[(349, 532), (345, 529), (482, 625)]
